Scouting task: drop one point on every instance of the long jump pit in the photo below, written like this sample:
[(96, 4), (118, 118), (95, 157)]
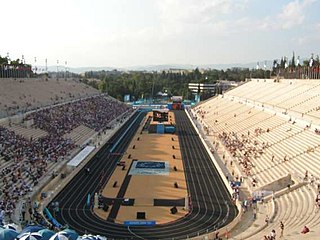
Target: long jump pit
[(149, 184)]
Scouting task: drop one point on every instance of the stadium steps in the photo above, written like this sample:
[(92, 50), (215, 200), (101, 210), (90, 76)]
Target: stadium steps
[(242, 126), (79, 135), (292, 91), (296, 144), (272, 92), (279, 169), (27, 133), (265, 171), (38, 92), (295, 209), (287, 93), (306, 162), (280, 134), (257, 225), (262, 122), (297, 97), (4, 164)]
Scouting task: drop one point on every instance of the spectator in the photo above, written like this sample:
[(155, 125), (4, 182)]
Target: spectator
[(254, 213), (30, 157), (273, 235), (216, 237), (2, 214), (23, 211), (267, 220), (281, 229), (305, 230), (95, 113)]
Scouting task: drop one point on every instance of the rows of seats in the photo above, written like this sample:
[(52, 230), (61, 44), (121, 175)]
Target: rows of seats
[(28, 133), (266, 145), (301, 96), (79, 135), (94, 112), (25, 162), (27, 154), (22, 95), (257, 125), (295, 209)]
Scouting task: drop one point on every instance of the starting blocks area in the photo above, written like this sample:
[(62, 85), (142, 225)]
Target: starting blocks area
[(149, 168)]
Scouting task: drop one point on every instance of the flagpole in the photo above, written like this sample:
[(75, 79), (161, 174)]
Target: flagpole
[(35, 66), (65, 69), (57, 68), (23, 69), (8, 66)]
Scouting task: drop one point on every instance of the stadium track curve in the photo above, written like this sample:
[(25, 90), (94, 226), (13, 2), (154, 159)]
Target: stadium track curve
[(212, 207)]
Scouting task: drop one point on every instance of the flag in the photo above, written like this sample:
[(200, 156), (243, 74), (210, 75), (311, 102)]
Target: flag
[(285, 62), (311, 62)]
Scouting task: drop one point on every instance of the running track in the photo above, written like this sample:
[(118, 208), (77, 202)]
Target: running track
[(211, 204)]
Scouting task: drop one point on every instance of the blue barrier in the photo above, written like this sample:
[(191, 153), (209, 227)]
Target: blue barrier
[(52, 219), (88, 200), (48, 213), (170, 129), (129, 128), (139, 223), (160, 128)]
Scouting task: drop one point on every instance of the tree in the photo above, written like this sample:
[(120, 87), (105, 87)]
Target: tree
[(147, 84), (102, 86), (293, 61)]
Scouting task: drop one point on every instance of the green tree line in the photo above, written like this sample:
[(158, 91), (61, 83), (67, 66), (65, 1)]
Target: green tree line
[(146, 84)]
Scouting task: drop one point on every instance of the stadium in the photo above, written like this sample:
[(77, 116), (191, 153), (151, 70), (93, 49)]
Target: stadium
[(79, 163), (160, 120)]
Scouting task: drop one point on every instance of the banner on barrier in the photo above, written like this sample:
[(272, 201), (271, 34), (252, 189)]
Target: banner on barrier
[(139, 223)]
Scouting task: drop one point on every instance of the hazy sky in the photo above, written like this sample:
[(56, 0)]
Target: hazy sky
[(121, 33)]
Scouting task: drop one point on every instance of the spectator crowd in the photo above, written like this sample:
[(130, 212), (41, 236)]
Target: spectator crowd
[(26, 160), (94, 112)]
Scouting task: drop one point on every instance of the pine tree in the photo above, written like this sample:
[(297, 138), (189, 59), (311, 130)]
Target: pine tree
[(293, 61), (282, 62)]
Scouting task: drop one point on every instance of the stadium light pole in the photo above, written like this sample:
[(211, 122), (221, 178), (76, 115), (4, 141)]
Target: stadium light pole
[(65, 69), (35, 65), (13, 71), (8, 67), (17, 70), (2, 70), (57, 68), (152, 91), (22, 60)]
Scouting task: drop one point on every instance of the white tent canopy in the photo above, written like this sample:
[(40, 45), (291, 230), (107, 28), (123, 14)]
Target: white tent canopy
[(74, 162)]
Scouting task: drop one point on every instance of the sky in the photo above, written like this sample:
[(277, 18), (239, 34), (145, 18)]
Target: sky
[(125, 33)]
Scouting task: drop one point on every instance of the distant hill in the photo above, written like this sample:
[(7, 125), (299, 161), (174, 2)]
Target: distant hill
[(77, 70), (163, 67)]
